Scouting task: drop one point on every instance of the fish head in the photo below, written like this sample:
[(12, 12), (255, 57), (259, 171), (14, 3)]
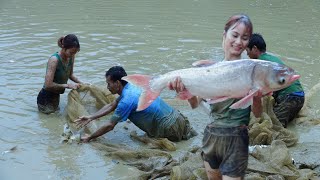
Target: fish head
[(280, 76)]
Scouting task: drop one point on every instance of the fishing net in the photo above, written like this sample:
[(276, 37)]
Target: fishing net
[(191, 167), (81, 102), (267, 128), (156, 143), (308, 115), (87, 99), (149, 163), (274, 159)]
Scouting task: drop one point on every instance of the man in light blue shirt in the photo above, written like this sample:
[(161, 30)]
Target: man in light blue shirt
[(159, 120)]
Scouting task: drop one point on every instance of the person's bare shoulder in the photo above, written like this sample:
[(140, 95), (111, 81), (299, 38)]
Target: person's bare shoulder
[(53, 59)]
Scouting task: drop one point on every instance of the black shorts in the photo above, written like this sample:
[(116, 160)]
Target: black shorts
[(178, 131), (226, 149), (287, 108), (48, 102)]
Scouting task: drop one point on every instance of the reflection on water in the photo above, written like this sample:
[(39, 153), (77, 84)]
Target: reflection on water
[(145, 37)]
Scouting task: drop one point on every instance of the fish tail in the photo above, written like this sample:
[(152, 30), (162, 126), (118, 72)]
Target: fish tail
[(147, 95)]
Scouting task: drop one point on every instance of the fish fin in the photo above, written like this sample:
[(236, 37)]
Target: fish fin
[(147, 95), (203, 63), (184, 95), (245, 101), (217, 99)]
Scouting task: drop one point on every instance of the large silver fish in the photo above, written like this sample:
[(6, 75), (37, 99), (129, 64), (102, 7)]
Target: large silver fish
[(218, 82)]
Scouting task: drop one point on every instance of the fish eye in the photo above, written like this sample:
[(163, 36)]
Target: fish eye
[(282, 80)]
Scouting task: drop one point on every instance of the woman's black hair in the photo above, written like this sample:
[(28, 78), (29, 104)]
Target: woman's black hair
[(69, 41)]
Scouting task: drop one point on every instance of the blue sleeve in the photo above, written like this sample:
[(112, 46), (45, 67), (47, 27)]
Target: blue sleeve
[(123, 110)]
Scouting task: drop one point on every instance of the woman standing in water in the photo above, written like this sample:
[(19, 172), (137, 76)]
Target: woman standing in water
[(225, 142), (59, 70)]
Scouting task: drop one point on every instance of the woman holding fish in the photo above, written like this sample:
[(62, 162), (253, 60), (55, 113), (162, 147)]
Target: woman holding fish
[(226, 140), (232, 87)]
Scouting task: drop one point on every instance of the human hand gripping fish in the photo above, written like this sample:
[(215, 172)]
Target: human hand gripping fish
[(242, 79)]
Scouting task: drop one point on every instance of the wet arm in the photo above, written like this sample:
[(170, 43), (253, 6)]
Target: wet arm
[(109, 125), (194, 102), (105, 110), (72, 76), (49, 84), (103, 130), (84, 120), (256, 107), (75, 79)]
